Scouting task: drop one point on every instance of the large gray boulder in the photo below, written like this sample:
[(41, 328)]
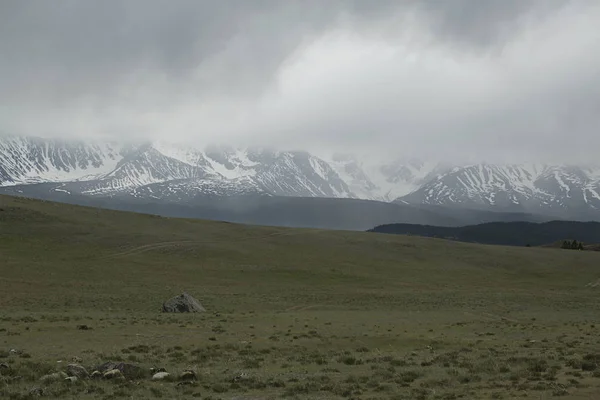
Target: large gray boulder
[(182, 303)]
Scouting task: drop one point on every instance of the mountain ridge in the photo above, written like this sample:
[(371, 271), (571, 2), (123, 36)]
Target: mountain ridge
[(534, 187), (180, 173)]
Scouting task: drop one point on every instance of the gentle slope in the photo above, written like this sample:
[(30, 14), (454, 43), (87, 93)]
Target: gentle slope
[(291, 312)]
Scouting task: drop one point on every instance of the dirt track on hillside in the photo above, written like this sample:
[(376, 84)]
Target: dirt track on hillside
[(163, 245)]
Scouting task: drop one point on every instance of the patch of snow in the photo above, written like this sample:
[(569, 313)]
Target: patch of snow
[(242, 166), (223, 170), (177, 152), (562, 184), (594, 193), (317, 167), (242, 157)]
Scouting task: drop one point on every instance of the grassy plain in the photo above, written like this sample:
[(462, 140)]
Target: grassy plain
[(292, 313)]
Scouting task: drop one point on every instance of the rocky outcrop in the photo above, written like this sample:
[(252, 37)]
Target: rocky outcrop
[(183, 303)]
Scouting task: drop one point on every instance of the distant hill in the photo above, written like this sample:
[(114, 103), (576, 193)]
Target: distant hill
[(504, 233), (306, 212)]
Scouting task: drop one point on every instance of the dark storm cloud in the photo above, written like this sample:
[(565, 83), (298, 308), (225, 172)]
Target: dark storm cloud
[(85, 44), (483, 24), (420, 76), (88, 44)]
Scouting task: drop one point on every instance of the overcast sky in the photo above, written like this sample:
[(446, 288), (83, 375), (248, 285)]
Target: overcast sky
[(494, 79)]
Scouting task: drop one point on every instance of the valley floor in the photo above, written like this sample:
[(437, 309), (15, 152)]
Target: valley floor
[(292, 313)]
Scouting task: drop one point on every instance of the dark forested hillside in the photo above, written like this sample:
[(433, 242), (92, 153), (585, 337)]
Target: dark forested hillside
[(504, 233)]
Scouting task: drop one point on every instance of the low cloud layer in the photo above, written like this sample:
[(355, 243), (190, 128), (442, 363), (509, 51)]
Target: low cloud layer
[(500, 80)]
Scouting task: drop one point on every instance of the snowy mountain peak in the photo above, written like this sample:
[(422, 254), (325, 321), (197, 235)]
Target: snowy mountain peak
[(513, 187), (25, 160), (107, 169)]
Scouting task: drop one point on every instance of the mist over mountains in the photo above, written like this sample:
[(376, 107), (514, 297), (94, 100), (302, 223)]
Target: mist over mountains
[(166, 174)]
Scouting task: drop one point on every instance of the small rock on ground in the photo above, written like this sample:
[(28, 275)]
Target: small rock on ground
[(188, 375), (107, 366), (129, 371), (113, 374), (159, 376), (77, 370), (96, 375)]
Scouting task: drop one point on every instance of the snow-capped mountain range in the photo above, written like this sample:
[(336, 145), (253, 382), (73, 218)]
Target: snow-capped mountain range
[(160, 170)]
